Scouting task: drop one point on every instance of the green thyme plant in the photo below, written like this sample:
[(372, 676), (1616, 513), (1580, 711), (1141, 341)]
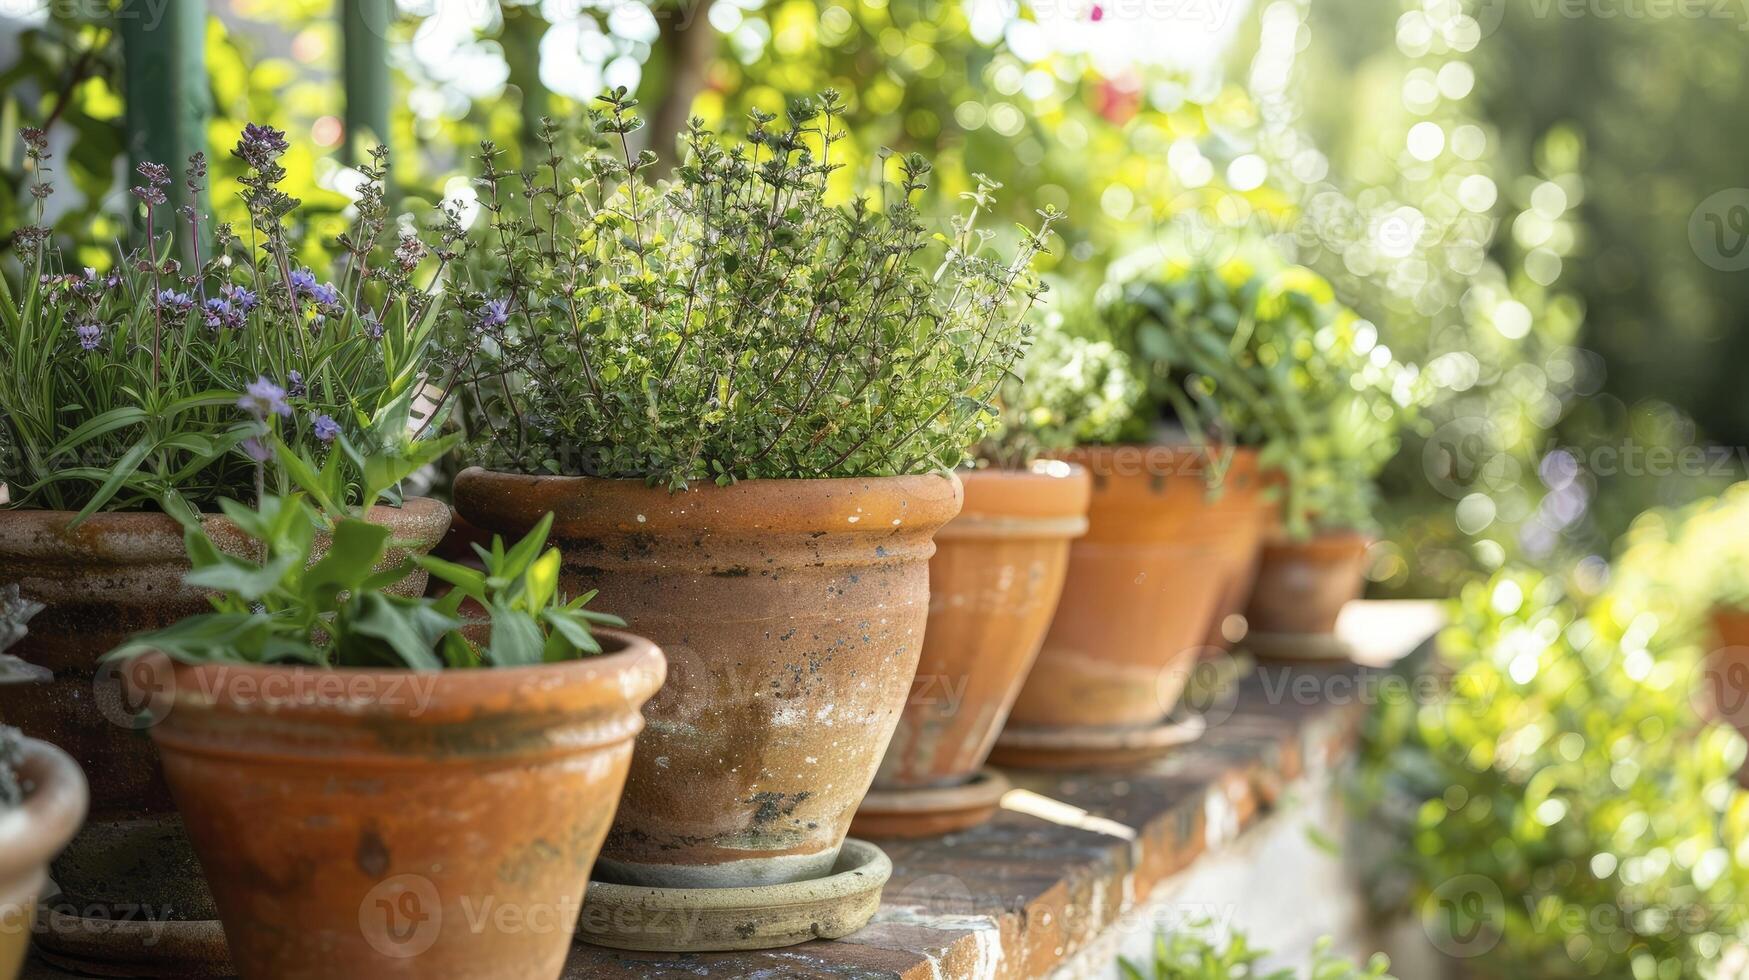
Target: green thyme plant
[(734, 322), (1065, 392), (152, 385), (1274, 363), (1194, 955), (313, 593)]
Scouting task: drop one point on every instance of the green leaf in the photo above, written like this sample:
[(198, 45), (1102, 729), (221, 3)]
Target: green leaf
[(516, 638), (574, 629), (101, 425), (119, 474), (353, 553), (243, 579), (408, 627)]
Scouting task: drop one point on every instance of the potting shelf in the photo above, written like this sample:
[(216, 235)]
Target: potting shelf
[(1072, 855)]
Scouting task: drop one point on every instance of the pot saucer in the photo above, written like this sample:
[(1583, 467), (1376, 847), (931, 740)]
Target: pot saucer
[(932, 810), (1317, 648), (122, 947), (1116, 747), (689, 920)]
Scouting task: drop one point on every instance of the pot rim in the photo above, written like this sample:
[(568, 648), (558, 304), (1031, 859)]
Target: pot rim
[(1046, 501), (1143, 460), (140, 537), (35, 831), (639, 665), (1046, 470), (913, 501)]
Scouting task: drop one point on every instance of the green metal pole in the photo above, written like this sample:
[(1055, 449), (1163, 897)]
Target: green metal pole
[(364, 27), (169, 98), (523, 30)]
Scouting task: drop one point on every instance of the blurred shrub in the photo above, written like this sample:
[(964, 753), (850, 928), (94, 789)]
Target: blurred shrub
[(1562, 811), (1194, 955)]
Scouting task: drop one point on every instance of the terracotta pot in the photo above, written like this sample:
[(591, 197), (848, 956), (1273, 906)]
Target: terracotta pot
[(993, 587), (112, 576), (358, 824), (792, 613), (1143, 587), (1246, 507), (1303, 585), (1727, 673), (30, 836)]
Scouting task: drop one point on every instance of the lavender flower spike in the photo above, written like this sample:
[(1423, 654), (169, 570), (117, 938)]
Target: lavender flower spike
[(263, 398)]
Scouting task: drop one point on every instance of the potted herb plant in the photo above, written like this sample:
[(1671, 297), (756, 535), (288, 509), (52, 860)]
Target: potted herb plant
[(1277, 365), (1174, 524), (131, 402), (994, 582), (743, 403), (377, 783)]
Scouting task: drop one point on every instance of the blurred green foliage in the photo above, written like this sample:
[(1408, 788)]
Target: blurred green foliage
[(1193, 954), (1562, 810), (1266, 358)]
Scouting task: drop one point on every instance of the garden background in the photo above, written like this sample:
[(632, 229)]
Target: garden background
[(1538, 202)]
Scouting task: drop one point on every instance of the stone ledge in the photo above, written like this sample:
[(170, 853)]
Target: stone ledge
[(1072, 854)]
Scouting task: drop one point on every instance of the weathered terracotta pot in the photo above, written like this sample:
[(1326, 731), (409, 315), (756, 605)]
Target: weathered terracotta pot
[(1246, 507), (1303, 585), (792, 613), (357, 824), (30, 836), (112, 576), (993, 587), (1143, 586)]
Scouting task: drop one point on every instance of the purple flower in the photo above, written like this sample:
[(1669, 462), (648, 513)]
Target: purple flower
[(240, 296), (257, 450), (324, 427), (174, 301), (295, 384), (325, 294), (259, 146), (494, 314), (220, 313), (263, 398), (303, 282), (90, 334), (373, 327)]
